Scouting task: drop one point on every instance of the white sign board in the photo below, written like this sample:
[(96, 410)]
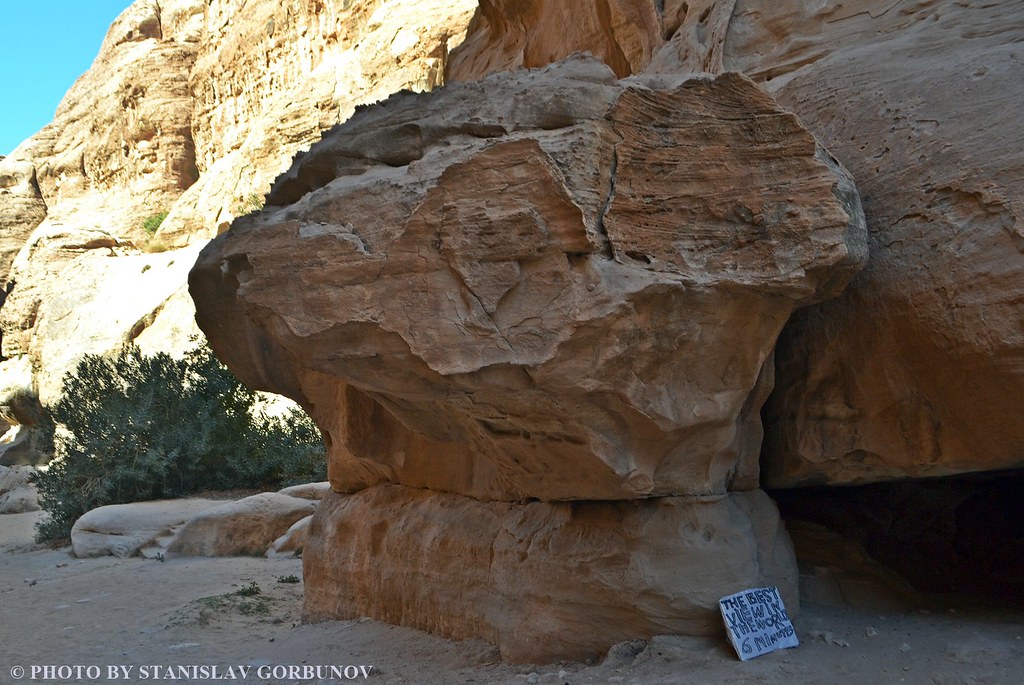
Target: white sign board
[(757, 623)]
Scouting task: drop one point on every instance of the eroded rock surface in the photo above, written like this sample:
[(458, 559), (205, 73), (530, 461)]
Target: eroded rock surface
[(136, 528), (293, 541), (21, 208), (906, 374), (246, 527), (545, 285), (106, 300), (917, 100), (510, 34), (542, 580), (190, 109), (21, 412), (17, 492)]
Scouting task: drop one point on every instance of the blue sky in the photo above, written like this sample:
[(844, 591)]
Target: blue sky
[(44, 46)]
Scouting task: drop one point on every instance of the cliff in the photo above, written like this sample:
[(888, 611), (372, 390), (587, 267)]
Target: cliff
[(190, 109), (560, 320), (907, 373)]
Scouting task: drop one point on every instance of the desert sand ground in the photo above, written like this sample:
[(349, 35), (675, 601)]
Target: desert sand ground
[(60, 611)]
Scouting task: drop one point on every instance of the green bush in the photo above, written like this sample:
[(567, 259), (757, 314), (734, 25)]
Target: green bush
[(250, 204), (150, 224), (138, 427)]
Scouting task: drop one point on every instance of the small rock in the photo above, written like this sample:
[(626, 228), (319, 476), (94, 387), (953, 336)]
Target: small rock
[(623, 653), (870, 631), (532, 679), (904, 648)]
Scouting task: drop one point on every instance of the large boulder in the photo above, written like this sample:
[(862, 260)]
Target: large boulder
[(547, 285), (125, 530), (246, 527), (550, 286), (315, 491)]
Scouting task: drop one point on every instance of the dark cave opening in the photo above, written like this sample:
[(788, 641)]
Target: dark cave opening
[(961, 535)]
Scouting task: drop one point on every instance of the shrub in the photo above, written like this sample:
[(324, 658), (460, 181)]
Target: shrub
[(138, 427), (151, 224), (250, 204), (154, 245)]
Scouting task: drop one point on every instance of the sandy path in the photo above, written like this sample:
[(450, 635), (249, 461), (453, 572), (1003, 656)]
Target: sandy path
[(58, 610)]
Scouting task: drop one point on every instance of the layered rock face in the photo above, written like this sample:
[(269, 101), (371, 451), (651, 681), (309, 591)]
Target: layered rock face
[(510, 34), (500, 289), (270, 76), (544, 581), (21, 207), (906, 374), (191, 108), (546, 285), (932, 336)]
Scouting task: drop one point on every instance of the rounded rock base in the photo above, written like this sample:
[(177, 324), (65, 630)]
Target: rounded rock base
[(543, 581)]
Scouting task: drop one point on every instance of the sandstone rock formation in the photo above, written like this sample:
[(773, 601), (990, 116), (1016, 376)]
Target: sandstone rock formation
[(21, 207), (191, 108), (137, 528), (270, 76), (314, 491), (269, 523), (103, 302), (293, 541), (544, 581), (907, 374), (932, 329), (17, 493), (21, 411), (510, 34), (548, 285), (496, 289), (246, 527)]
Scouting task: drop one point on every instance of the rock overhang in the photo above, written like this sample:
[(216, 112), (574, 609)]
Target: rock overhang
[(534, 317), (566, 284)]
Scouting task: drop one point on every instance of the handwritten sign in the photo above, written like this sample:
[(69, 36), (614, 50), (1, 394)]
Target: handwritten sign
[(757, 623)]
